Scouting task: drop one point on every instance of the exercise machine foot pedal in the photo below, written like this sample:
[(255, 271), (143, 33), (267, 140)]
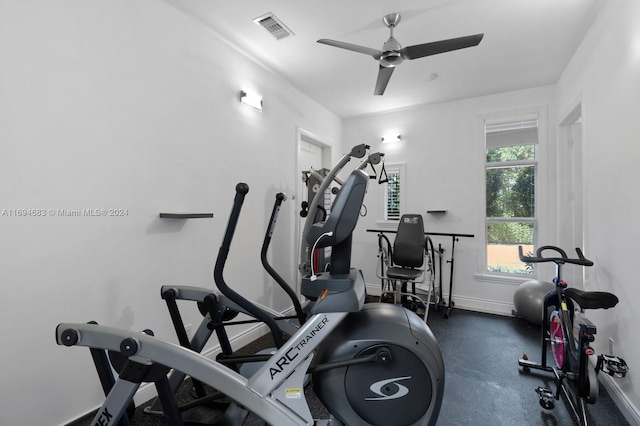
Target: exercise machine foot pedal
[(612, 365), (546, 397)]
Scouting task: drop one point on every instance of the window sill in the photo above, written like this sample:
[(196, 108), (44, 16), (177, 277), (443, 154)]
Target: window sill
[(502, 279)]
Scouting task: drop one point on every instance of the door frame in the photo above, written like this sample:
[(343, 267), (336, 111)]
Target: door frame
[(571, 212), (303, 135)]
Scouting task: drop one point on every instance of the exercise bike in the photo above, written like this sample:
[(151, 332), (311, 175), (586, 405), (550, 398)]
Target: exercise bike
[(569, 333), (375, 364)]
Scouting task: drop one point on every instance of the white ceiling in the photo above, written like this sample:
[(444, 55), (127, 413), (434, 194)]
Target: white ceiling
[(527, 43)]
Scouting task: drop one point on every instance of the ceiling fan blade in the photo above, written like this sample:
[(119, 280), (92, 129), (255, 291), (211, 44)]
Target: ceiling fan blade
[(442, 46), (384, 74), (353, 47)]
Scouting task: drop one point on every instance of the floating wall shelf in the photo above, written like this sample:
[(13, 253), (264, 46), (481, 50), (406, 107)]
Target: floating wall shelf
[(436, 211), (186, 215)]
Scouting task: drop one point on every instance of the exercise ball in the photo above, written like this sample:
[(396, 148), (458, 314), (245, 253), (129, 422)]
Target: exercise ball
[(529, 297)]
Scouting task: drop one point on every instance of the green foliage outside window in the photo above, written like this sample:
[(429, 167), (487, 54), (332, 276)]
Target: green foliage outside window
[(517, 233), (511, 153), (511, 191), (510, 208)]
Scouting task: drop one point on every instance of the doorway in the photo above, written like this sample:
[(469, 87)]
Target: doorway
[(570, 190), (314, 154)]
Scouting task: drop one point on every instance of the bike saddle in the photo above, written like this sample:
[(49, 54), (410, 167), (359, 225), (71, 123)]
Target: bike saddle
[(592, 299)]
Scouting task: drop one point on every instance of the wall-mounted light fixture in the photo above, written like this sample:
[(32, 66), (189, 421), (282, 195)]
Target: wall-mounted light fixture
[(251, 99), (391, 138)]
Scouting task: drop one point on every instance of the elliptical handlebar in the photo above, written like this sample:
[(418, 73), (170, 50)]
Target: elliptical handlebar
[(241, 190), (539, 258), (280, 198), (358, 151), (372, 159)]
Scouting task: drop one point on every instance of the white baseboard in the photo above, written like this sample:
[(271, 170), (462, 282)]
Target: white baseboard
[(626, 407), (466, 303), (482, 305), (374, 289)]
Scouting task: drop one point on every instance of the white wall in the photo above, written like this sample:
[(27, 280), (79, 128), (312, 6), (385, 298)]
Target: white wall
[(443, 157), (443, 150), (604, 76), (132, 105), (127, 105)]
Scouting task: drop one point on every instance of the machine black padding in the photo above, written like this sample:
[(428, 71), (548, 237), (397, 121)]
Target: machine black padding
[(344, 212), (242, 188), (408, 246), (592, 299)]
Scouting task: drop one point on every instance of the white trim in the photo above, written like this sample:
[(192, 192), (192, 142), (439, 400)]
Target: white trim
[(482, 305), (374, 289), (541, 163), (305, 136), (401, 170), (463, 302), (503, 117), (619, 397), (503, 279)]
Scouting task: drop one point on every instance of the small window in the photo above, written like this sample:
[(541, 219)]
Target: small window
[(510, 176), (393, 193)]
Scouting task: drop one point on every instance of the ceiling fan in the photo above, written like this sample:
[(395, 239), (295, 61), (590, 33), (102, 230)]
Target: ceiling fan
[(392, 53)]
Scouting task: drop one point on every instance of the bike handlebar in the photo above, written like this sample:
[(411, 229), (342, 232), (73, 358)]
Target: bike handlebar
[(539, 258)]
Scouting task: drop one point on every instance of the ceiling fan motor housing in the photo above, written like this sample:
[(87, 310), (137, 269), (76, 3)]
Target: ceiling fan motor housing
[(391, 55)]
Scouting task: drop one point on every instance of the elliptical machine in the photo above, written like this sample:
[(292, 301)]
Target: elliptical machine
[(219, 310), (375, 365)]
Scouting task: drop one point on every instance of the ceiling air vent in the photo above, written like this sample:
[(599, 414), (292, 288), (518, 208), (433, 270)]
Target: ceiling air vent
[(275, 27)]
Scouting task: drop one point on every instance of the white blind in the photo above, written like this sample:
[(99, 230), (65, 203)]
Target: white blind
[(521, 132), (392, 196)]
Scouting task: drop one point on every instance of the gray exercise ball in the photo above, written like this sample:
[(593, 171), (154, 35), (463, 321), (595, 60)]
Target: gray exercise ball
[(529, 297)]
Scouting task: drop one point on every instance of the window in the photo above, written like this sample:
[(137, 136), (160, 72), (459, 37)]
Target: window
[(392, 193), (510, 175)]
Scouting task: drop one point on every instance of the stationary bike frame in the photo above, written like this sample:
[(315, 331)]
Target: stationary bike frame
[(570, 352)]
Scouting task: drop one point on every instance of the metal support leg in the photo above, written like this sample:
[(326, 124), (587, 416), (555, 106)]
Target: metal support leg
[(451, 303)]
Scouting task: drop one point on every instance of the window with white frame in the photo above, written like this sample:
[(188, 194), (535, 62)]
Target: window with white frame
[(393, 192), (511, 180)]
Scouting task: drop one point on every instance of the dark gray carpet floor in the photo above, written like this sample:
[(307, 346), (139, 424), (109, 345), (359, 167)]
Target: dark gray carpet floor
[(483, 383)]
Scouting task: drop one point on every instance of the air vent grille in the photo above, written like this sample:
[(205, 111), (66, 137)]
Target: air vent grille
[(275, 27)]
